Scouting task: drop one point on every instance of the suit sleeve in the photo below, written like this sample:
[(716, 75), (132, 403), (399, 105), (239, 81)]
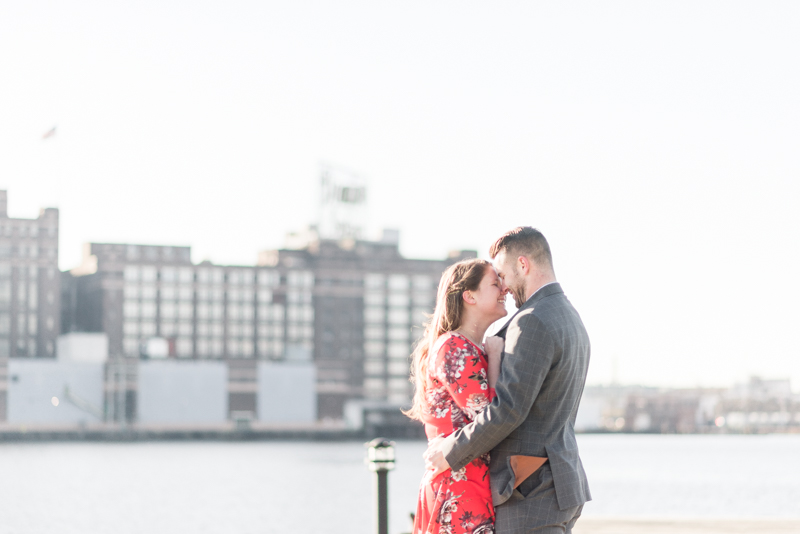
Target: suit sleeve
[(527, 358)]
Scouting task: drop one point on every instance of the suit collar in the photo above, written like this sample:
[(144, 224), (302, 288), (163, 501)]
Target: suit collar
[(541, 293)]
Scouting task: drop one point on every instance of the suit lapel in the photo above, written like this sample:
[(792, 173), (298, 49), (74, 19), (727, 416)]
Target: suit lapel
[(542, 292)]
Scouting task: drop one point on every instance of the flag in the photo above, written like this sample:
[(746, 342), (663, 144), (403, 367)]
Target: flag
[(50, 133)]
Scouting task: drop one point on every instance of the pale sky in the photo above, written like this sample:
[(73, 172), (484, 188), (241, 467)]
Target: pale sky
[(654, 143)]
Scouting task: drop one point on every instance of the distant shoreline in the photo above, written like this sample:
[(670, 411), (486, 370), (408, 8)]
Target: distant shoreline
[(232, 431)]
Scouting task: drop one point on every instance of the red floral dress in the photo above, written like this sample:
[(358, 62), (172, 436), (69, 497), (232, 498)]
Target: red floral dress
[(457, 390)]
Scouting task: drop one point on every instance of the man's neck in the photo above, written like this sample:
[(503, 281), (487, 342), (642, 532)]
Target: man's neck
[(539, 284)]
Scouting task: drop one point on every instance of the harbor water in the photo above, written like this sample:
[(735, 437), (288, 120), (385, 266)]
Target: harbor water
[(319, 487)]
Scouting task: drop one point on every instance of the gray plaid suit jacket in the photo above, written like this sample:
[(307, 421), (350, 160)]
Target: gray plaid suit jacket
[(541, 381)]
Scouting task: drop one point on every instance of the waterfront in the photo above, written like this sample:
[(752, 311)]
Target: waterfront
[(313, 487)]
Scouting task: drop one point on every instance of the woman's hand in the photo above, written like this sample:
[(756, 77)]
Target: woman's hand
[(494, 349)]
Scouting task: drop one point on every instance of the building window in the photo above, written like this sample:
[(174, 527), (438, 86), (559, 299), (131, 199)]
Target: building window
[(130, 309), (148, 310), (374, 299), (130, 328), (398, 333), (132, 273), (275, 348), (169, 274), (186, 275), (374, 314), (185, 310), (5, 291), (183, 347), (234, 347), (268, 278), (399, 367), (298, 297), (399, 300), (374, 349), (300, 279), (168, 310), (130, 292), (168, 329), (399, 350), (424, 299), (374, 281), (374, 367), (374, 386), (148, 292), (149, 274), (398, 282), (168, 293), (148, 328), (398, 316), (374, 332)]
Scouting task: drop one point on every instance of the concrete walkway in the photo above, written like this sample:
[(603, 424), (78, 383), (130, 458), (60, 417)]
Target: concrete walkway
[(593, 525)]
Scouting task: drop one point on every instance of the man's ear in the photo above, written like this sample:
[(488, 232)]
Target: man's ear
[(524, 265)]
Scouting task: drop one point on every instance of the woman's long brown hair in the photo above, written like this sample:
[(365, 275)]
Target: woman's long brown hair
[(447, 316)]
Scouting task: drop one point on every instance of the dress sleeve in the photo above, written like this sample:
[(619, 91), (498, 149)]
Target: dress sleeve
[(462, 371)]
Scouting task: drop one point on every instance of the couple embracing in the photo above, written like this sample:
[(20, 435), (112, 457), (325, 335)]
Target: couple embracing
[(499, 415)]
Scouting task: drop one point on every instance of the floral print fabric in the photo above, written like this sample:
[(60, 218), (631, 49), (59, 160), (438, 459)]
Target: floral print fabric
[(457, 390)]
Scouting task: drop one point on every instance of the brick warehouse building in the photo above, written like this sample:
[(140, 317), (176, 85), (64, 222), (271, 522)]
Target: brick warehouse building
[(354, 308), (29, 289)]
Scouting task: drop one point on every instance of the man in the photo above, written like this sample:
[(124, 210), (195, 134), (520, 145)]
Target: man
[(529, 426)]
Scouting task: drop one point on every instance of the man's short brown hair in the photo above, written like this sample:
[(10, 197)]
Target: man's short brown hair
[(524, 241)]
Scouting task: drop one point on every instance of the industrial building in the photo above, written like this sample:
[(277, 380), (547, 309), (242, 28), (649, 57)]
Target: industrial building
[(352, 308), (29, 289), (323, 322)]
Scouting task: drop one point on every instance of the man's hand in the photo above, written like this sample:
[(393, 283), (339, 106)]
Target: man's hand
[(494, 351), (434, 458)]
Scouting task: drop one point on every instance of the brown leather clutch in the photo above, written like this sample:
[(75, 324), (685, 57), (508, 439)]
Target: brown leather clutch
[(524, 466)]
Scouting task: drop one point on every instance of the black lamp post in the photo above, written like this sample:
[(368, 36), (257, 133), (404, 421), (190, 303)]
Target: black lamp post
[(380, 459)]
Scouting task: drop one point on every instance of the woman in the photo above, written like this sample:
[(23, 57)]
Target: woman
[(455, 381)]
